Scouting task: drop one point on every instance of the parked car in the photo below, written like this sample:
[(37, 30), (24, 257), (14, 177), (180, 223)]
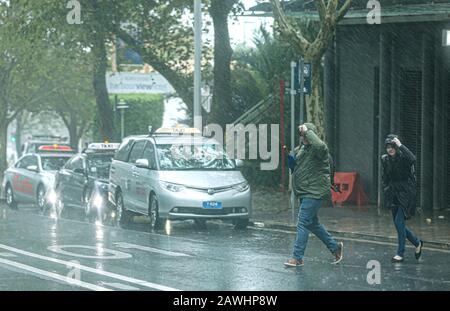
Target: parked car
[(83, 182), (177, 176), (33, 175)]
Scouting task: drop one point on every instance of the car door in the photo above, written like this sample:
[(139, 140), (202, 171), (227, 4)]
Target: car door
[(16, 177), (131, 195), (78, 180), (146, 178), (63, 181), (24, 179)]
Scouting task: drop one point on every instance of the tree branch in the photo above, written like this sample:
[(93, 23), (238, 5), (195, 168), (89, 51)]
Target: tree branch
[(321, 8), (344, 9), (286, 28)]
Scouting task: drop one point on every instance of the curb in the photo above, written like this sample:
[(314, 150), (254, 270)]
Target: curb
[(346, 234)]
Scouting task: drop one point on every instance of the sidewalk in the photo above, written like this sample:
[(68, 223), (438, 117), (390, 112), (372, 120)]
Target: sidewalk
[(271, 210)]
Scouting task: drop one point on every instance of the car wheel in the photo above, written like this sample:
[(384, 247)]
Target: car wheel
[(40, 198), (200, 224), (153, 213), (123, 216), (10, 200), (241, 224)]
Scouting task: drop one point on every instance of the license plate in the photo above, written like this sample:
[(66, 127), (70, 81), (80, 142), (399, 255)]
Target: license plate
[(212, 205)]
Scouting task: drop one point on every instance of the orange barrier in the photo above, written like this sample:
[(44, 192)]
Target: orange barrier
[(352, 190)]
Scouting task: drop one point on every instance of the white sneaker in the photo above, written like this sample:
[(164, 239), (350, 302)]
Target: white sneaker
[(397, 258)]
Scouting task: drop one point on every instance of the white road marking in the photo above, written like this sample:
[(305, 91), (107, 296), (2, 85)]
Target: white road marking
[(52, 275), (7, 255), (357, 240), (100, 250), (150, 249), (92, 270), (119, 286)]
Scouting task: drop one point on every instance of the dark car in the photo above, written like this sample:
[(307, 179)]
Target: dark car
[(83, 182)]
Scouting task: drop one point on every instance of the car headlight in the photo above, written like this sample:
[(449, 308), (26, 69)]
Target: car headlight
[(172, 187), (52, 197), (97, 202), (241, 187)]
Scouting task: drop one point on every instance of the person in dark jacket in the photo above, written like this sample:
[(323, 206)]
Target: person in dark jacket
[(399, 186), (311, 183)]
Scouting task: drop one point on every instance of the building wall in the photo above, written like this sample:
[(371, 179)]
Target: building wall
[(357, 55), (358, 60)]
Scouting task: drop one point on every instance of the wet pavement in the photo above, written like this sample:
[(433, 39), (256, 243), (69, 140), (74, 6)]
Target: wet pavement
[(41, 253), (272, 210)]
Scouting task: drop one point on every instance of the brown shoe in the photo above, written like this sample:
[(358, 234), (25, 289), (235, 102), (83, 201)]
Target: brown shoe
[(338, 254), (294, 263)]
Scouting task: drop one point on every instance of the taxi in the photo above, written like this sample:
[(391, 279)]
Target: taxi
[(177, 174), (83, 182), (33, 175)]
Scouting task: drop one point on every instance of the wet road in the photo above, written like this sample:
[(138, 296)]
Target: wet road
[(41, 253)]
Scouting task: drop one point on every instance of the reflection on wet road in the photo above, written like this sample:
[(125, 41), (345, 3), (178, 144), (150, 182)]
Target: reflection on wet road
[(43, 253)]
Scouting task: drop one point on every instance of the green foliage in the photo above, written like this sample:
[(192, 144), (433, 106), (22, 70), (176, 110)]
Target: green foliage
[(145, 110)]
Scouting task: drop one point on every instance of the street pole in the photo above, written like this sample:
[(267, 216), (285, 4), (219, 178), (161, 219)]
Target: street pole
[(198, 59), (301, 76), (122, 123), (122, 106), (293, 92)]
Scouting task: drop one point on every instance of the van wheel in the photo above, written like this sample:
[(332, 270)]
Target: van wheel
[(123, 216), (241, 224), (156, 223), (10, 200), (40, 197)]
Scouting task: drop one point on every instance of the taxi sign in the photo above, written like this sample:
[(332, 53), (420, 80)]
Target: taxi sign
[(103, 146), (55, 147), (177, 130)]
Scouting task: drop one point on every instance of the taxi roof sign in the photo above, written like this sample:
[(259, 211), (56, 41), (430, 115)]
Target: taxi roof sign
[(103, 146), (55, 147), (177, 130)]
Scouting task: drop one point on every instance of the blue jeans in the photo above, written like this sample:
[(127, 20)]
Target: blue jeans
[(309, 222), (403, 232)]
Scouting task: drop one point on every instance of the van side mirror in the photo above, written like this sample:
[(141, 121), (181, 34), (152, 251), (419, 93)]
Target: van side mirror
[(142, 163)]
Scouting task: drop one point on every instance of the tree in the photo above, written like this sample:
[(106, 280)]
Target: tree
[(22, 69), (222, 92), (313, 49)]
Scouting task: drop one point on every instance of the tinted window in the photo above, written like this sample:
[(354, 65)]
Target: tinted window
[(136, 152), (124, 150), (149, 154)]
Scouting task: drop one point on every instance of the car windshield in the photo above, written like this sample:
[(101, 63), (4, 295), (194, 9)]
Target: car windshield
[(193, 157), (98, 164), (53, 163)]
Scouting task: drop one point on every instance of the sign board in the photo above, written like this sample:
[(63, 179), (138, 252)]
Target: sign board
[(137, 83), (307, 78)]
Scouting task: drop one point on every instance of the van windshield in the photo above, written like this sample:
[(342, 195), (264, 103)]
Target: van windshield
[(193, 157)]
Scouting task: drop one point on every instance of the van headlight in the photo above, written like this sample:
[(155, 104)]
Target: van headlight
[(241, 187), (172, 187)]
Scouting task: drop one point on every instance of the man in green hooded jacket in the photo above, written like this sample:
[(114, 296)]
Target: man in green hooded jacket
[(311, 183)]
